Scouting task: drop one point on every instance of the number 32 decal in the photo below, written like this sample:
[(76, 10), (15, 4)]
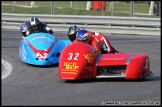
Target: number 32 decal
[(73, 56)]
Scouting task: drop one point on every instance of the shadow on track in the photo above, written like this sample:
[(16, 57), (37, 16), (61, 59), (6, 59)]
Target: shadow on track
[(40, 66), (46, 66), (151, 78)]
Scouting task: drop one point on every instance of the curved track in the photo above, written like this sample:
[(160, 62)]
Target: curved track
[(30, 85)]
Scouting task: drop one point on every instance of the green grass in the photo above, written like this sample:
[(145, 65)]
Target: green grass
[(78, 8)]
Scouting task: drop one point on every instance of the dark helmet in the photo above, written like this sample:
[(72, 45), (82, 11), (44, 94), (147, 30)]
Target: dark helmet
[(34, 23), (72, 31), (83, 36)]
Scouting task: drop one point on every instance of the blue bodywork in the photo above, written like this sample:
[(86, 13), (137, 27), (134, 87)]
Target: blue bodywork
[(41, 49)]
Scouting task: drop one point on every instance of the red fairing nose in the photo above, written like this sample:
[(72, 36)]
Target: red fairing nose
[(77, 61)]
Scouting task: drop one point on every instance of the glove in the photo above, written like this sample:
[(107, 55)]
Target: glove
[(27, 32), (48, 28), (96, 33)]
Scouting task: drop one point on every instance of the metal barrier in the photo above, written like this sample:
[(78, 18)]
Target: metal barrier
[(103, 24)]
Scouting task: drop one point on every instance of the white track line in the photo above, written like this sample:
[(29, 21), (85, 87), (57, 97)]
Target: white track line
[(7, 69)]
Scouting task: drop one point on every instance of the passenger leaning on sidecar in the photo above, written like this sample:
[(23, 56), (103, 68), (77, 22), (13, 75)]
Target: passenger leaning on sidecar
[(97, 40), (34, 26)]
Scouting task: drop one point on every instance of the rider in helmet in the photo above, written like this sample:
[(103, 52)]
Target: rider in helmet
[(71, 33), (98, 40), (34, 26), (24, 29), (84, 36)]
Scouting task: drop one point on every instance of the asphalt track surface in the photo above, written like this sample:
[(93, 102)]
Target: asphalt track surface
[(29, 85)]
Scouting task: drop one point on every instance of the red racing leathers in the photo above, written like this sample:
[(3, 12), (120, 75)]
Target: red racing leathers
[(100, 42)]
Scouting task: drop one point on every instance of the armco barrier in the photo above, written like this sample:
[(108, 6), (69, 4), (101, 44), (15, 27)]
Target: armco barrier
[(103, 24)]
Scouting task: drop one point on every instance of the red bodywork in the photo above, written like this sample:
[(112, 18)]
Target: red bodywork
[(81, 61)]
